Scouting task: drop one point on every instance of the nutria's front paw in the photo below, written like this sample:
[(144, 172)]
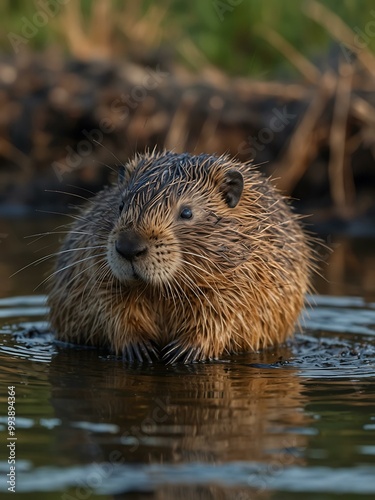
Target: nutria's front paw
[(140, 352), (174, 352)]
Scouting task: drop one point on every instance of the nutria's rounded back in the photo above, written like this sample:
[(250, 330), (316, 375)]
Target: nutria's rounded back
[(187, 258)]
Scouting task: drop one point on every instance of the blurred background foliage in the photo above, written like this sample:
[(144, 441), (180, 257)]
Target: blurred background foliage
[(231, 35), (227, 70)]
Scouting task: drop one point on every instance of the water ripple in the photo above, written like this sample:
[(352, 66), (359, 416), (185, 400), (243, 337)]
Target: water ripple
[(110, 479), (340, 315)]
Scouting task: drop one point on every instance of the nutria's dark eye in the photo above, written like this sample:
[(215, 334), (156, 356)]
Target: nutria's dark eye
[(121, 206), (186, 213)]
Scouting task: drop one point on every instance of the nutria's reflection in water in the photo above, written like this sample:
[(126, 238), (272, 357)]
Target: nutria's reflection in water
[(178, 414), (275, 419)]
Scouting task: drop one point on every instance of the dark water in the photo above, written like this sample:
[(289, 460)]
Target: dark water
[(294, 422)]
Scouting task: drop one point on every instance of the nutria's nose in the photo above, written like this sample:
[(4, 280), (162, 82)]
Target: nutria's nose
[(130, 245)]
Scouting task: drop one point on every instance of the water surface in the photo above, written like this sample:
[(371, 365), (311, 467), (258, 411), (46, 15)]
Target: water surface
[(293, 422)]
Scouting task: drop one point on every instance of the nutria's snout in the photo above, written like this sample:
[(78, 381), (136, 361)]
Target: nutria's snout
[(131, 245)]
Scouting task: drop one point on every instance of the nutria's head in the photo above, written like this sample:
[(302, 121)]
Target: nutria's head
[(179, 220)]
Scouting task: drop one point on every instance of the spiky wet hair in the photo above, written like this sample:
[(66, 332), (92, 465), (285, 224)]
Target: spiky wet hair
[(232, 277), (150, 176)]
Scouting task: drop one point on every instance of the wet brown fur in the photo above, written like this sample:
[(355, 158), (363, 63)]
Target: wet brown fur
[(227, 280)]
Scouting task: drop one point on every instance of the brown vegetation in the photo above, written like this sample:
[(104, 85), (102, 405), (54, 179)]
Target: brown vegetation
[(316, 138)]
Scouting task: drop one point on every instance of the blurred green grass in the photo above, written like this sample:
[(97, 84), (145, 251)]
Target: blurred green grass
[(226, 34)]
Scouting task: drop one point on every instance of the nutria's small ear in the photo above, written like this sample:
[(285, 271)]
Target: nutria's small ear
[(232, 187)]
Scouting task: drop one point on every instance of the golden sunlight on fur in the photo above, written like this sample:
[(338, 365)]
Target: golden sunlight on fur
[(186, 259)]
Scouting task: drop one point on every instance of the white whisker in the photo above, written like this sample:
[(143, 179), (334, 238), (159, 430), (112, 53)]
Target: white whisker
[(60, 270)]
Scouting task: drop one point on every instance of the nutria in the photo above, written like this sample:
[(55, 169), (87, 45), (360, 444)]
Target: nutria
[(187, 258)]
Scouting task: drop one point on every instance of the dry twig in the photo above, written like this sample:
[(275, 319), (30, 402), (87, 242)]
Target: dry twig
[(308, 70), (340, 31), (341, 182), (302, 145)]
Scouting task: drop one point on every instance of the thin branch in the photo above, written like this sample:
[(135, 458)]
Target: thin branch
[(308, 70), (342, 188), (302, 146), (340, 31)]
